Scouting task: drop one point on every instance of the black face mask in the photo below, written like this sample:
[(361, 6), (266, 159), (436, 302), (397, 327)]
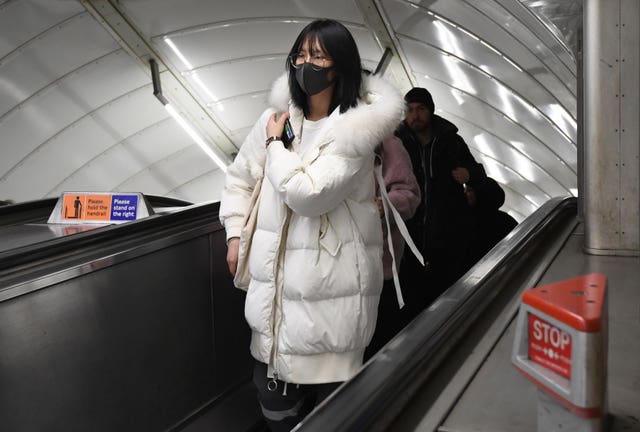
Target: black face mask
[(313, 81)]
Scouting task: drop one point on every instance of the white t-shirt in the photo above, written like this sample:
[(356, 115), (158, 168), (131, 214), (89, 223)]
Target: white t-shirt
[(310, 130)]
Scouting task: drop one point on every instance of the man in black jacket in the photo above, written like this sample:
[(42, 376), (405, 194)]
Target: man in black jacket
[(442, 225)]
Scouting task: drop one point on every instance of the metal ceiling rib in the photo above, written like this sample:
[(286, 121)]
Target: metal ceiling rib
[(379, 25), (108, 13)]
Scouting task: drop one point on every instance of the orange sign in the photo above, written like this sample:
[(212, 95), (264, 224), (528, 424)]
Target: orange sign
[(86, 207)]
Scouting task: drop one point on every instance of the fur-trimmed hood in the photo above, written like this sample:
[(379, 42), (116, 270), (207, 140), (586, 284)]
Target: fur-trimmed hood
[(379, 111)]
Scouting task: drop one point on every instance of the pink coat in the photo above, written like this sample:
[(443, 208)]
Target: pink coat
[(404, 194)]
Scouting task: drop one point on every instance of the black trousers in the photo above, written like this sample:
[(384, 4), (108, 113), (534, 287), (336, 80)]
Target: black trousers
[(447, 265), (391, 319), (284, 405)]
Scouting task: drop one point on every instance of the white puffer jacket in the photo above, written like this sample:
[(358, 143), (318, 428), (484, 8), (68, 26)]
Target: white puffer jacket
[(316, 259)]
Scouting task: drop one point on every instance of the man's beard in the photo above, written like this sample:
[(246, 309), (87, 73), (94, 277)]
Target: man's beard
[(418, 126)]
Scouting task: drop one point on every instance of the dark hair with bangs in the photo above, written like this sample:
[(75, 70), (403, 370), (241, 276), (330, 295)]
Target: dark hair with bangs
[(337, 41)]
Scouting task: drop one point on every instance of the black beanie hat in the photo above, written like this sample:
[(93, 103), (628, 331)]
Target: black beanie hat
[(420, 95)]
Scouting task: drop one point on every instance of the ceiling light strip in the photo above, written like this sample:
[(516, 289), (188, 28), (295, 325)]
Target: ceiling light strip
[(157, 92), (195, 136)]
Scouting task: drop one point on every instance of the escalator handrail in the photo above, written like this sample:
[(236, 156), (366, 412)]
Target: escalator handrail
[(107, 235), (391, 377)]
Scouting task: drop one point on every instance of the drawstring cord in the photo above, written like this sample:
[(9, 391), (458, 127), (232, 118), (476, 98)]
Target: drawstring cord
[(388, 206)]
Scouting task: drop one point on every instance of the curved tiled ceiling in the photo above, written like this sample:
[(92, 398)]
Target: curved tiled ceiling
[(77, 110)]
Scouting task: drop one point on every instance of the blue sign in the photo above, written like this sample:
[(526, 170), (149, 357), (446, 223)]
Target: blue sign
[(124, 207)]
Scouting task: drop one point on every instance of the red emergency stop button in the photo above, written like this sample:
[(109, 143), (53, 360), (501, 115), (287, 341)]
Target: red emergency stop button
[(561, 344)]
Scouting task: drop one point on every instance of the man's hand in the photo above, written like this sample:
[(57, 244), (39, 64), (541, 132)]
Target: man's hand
[(233, 246), (461, 175)]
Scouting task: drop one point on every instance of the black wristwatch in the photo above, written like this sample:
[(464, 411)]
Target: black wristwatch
[(271, 138)]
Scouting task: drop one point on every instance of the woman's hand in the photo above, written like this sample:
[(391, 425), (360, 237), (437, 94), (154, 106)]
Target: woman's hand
[(233, 246), (380, 207), (275, 125)]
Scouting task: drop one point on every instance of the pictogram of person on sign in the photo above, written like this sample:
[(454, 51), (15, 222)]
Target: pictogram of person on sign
[(77, 209)]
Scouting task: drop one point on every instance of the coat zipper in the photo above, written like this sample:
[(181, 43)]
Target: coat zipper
[(276, 320)]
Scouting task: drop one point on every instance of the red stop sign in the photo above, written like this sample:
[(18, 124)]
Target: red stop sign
[(549, 346)]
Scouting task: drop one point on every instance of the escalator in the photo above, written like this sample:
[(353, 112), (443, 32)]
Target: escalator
[(413, 381), (121, 327), (450, 369), (137, 327)]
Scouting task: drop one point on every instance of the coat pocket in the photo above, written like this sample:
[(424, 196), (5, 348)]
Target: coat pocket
[(328, 238)]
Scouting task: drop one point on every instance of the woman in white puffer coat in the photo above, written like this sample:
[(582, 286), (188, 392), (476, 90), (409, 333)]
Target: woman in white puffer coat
[(316, 256)]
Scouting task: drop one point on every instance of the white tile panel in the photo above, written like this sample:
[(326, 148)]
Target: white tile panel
[(28, 127), (44, 61), (513, 145), (80, 142), (24, 20), (243, 112), (126, 159), (249, 75), (523, 197), (207, 186), (155, 17), (60, 105), (240, 40), (481, 142), (66, 152), (168, 174)]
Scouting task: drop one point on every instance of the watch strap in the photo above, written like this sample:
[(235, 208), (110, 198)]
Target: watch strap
[(271, 138)]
